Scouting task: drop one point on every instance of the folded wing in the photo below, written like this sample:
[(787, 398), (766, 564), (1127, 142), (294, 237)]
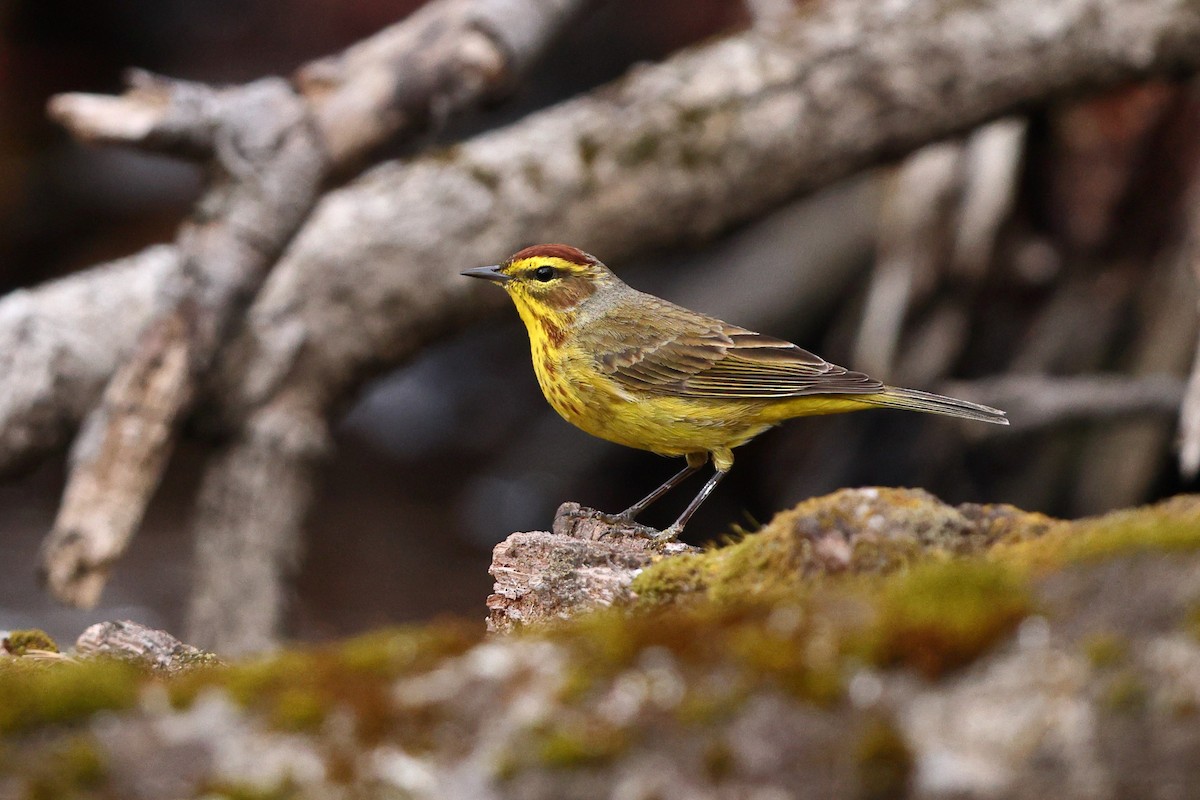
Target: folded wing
[(674, 351)]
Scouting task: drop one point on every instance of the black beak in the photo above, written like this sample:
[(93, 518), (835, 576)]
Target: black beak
[(492, 273)]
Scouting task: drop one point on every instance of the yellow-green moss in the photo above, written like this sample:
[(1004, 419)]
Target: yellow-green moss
[(243, 791), (18, 643), (575, 748), (943, 615), (1125, 693), (51, 692), (297, 689), (298, 708), (672, 578), (1170, 526), (940, 593), (1105, 649), (887, 530), (1191, 621), (66, 769), (885, 762)]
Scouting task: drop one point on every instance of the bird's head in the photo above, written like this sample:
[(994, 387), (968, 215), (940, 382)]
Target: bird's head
[(550, 279)]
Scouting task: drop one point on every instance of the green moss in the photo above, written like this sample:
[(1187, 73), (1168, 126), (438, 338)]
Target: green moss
[(672, 578), (61, 770), (1125, 693), (787, 661), (887, 530), (1172, 526), (298, 709), (297, 689), (943, 615), (562, 748), (42, 692), (1191, 621), (245, 791), (1105, 650), (885, 763), (18, 643)]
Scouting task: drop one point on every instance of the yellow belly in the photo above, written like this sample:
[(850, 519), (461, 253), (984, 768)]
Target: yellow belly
[(670, 426)]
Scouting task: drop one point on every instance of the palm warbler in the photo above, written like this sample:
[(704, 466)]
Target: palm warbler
[(636, 370)]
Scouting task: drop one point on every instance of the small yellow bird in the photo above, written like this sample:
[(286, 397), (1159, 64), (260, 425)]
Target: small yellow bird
[(637, 370)]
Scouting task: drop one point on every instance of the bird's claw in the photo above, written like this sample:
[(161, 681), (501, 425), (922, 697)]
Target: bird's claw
[(620, 523), (669, 534)]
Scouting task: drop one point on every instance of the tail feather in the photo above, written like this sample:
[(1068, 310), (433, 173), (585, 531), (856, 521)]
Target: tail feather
[(915, 400)]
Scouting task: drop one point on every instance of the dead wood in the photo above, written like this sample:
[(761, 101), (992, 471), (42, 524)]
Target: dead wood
[(584, 563)]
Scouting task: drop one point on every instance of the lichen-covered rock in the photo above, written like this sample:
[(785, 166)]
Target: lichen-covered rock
[(972, 652), (154, 649)]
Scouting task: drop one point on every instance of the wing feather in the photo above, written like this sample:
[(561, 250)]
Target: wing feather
[(674, 351)]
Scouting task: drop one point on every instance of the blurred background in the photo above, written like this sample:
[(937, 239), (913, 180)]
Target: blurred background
[(1034, 249)]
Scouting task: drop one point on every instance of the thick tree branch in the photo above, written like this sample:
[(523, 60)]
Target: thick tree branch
[(271, 153), (60, 342), (446, 57)]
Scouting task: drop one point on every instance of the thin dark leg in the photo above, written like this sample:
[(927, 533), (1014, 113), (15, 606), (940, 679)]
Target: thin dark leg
[(641, 505), (674, 531)]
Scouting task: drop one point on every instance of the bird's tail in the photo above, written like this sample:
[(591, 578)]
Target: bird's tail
[(914, 400)]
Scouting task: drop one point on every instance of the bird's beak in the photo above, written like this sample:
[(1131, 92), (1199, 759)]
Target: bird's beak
[(492, 273)]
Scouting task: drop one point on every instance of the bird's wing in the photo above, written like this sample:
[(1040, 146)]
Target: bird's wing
[(673, 351)]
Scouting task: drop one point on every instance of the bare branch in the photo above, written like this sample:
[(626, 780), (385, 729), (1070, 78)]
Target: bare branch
[(1036, 401), (445, 57), (60, 342), (119, 455), (272, 154)]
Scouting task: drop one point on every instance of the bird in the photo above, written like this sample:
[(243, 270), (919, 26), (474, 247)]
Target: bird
[(640, 371)]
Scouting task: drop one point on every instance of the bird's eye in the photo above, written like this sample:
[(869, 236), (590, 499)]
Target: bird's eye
[(544, 274)]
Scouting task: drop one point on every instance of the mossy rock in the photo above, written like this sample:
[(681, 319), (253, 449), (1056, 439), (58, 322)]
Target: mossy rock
[(23, 642), (734, 667)]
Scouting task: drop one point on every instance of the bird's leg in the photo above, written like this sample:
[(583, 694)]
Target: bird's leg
[(630, 514), (677, 527)]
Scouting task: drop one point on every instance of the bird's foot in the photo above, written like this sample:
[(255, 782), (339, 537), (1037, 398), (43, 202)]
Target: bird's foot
[(668, 534), (588, 523)]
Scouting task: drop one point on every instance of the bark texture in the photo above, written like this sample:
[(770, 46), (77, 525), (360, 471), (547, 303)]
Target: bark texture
[(583, 564)]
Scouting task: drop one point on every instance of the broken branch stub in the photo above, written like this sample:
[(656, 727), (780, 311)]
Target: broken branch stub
[(118, 456)]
